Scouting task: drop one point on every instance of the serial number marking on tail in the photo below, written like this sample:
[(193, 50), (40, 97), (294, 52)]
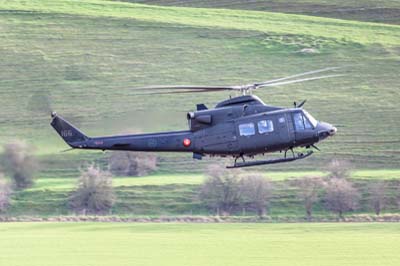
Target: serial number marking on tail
[(66, 133)]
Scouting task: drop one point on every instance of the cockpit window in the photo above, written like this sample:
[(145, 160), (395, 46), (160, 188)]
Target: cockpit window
[(312, 120), (301, 121), (298, 121)]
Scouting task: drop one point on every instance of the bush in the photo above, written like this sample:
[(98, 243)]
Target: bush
[(256, 192), (339, 168), (221, 191), (341, 196), (309, 192), (377, 196), (21, 163), (125, 163), (5, 193), (94, 194)]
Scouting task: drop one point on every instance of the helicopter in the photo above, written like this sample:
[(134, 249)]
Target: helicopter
[(239, 127)]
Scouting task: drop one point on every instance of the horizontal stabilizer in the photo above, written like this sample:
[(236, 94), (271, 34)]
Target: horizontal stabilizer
[(201, 106)]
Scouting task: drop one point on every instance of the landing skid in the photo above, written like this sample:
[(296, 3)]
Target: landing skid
[(282, 160)]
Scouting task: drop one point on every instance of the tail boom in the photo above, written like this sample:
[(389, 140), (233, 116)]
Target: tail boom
[(176, 141)]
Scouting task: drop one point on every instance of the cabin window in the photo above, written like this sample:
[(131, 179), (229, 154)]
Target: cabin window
[(247, 129), (265, 126)]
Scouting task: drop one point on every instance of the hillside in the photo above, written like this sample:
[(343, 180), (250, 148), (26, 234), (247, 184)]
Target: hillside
[(385, 11), (82, 58)]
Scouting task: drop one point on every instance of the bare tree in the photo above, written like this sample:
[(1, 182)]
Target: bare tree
[(125, 163), (5, 193), (21, 163), (341, 196), (339, 168), (377, 196), (309, 192), (257, 192), (221, 190), (396, 185), (94, 193)]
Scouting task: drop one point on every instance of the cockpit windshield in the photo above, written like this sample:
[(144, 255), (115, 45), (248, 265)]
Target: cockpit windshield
[(312, 120), (304, 121)]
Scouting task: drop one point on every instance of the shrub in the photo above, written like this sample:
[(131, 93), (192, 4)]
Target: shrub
[(94, 194), (377, 196), (341, 196), (5, 193), (309, 192), (256, 192), (339, 168), (20, 163), (125, 163), (221, 191)]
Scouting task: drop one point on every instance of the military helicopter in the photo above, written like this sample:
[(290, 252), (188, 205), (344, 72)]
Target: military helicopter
[(240, 127)]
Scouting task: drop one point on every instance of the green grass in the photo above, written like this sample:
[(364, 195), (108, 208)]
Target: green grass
[(381, 175), (42, 244), (188, 179), (81, 58), (195, 179)]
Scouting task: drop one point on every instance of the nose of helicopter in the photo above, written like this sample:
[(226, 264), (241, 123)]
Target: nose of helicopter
[(325, 130), (332, 131)]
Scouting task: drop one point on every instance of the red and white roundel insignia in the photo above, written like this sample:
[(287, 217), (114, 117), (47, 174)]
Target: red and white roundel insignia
[(186, 142)]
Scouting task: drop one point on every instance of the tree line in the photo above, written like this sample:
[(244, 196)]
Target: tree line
[(224, 192)]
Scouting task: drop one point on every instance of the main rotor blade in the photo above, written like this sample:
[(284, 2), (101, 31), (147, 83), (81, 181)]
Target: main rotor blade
[(298, 81), (269, 83), (297, 75), (189, 87), (175, 92)]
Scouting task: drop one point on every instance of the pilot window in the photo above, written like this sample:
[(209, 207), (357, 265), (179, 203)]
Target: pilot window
[(301, 122), (265, 126), (246, 129), (310, 118)]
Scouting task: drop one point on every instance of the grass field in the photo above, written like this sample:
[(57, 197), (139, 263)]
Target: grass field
[(81, 58), (83, 244)]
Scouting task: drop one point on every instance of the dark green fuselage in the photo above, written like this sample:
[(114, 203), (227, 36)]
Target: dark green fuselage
[(239, 126)]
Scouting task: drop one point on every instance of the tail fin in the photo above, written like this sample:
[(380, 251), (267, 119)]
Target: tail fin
[(70, 134)]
